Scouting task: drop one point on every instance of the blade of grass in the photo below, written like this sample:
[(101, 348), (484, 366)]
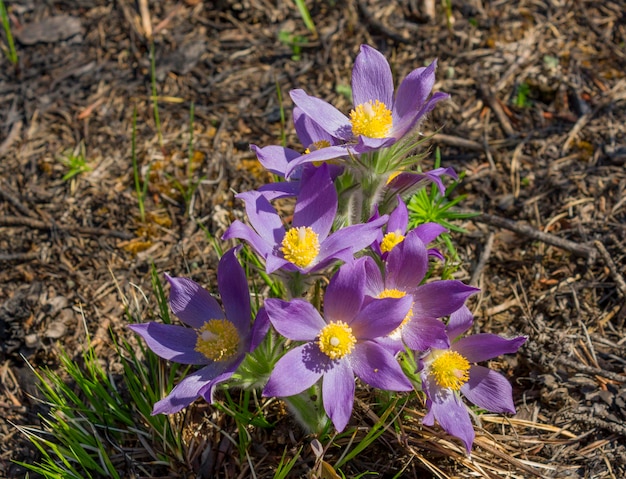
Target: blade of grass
[(155, 104), (306, 17), (6, 25)]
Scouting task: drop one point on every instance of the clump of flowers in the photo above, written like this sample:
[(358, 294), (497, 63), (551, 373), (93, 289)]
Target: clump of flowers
[(361, 301)]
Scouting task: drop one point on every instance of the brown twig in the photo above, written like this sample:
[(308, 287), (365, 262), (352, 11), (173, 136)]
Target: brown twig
[(494, 104), (86, 230), (8, 195), (13, 135), (482, 261), (457, 141), (526, 230), (608, 261), (18, 256)]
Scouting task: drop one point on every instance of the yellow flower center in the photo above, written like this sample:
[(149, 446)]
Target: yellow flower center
[(336, 340), (390, 240), (318, 145), (300, 246), (396, 293), (218, 340), (371, 119), (450, 370)]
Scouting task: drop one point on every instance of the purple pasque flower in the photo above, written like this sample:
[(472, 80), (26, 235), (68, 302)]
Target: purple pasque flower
[(380, 117), (401, 276), (403, 184), (276, 158), (448, 373), (308, 245), (217, 339), (338, 346), (396, 230)]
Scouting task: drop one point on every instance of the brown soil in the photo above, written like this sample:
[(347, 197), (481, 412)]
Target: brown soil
[(536, 123)]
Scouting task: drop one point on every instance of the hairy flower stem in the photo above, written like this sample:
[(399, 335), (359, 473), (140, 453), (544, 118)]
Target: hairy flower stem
[(308, 409)]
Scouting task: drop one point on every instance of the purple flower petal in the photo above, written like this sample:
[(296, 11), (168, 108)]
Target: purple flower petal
[(297, 319), (208, 391), (489, 390), (440, 298), (354, 237), (407, 264), (242, 231), (421, 334), (323, 154), (460, 321), (259, 330), (324, 114), (379, 317), (344, 294), (317, 203), (233, 286), (188, 390), (398, 219), (191, 303), (297, 370), (429, 232), (452, 415), (275, 158), (406, 182), (280, 189), (308, 131), (480, 347), (338, 393), (374, 284), (171, 342), (414, 90), (378, 367), (371, 78), (263, 217)]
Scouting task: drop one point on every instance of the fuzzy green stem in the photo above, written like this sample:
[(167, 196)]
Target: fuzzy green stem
[(308, 409)]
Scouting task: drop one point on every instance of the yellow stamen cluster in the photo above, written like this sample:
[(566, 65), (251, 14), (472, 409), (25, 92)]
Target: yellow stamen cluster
[(336, 340), (318, 145), (390, 240), (300, 246), (371, 119), (396, 293), (450, 370), (218, 340)]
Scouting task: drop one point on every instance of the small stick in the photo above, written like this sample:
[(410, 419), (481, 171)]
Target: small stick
[(608, 261), (18, 256), (482, 261), (457, 141), (494, 104), (144, 11), (525, 230), (7, 194), (13, 135), (86, 230)]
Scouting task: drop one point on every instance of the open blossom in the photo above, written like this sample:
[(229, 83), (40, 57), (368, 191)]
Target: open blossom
[(216, 339), (402, 274), (449, 372), (380, 116), (308, 245), (276, 158), (396, 230), (339, 345)]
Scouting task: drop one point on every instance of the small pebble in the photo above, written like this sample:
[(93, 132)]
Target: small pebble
[(31, 341)]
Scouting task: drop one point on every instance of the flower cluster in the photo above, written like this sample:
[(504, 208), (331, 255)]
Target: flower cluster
[(359, 292)]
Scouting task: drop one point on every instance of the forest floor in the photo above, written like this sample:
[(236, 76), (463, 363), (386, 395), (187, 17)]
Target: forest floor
[(535, 123)]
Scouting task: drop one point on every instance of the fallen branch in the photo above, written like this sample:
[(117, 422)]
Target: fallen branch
[(85, 230), (530, 232)]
